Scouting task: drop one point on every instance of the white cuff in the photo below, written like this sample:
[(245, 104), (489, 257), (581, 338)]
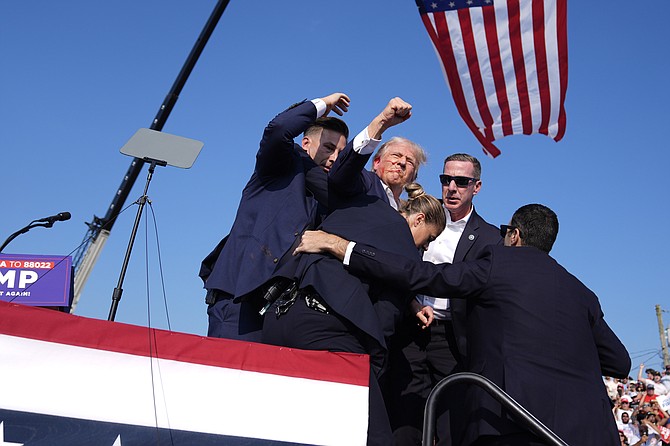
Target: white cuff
[(320, 107), (347, 253), (363, 144)]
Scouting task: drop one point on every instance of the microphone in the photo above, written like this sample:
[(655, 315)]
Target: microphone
[(48, 222), (61, 216)]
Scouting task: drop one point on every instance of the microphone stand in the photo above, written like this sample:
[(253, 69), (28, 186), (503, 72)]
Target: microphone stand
[(118, 291), (32, 224)]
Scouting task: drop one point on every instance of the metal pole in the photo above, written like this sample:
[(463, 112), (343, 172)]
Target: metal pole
[(88, 256), (118, 291), (164, 112), (522, 415), (661, 332)]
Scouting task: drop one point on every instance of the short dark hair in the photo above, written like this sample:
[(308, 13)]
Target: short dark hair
[(328, 123), (537, 224), (468, 159)]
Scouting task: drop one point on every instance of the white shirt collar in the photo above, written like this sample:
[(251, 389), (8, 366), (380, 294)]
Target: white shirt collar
[(462, 222), (390, 196)]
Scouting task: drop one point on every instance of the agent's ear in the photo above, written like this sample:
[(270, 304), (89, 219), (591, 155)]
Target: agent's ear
[(419, 218), (478, 186), (306, 142), (515, 237)]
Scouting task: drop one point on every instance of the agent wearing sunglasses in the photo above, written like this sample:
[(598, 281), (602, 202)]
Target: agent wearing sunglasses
[(432, 336)]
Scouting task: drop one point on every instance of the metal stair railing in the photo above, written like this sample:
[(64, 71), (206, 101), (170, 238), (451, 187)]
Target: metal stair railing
[(522, 416)]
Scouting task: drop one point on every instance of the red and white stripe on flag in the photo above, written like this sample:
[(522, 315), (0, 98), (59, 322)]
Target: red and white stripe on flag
[(506, 63), (78, 371)]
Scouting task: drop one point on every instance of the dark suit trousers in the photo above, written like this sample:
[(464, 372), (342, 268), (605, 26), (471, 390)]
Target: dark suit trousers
[(231, 320), (420, 358), (308, 329)]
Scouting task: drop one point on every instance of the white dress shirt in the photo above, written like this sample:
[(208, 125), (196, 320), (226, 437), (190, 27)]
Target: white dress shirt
[(441, 250)]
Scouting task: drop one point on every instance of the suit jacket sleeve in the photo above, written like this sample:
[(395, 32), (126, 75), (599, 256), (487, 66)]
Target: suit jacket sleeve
[(276, 153), (614, 358), (457, 280), (316, 180), (346, 178), (477, 234)]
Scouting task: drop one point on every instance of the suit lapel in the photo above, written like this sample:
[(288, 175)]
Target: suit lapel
[(376, 186), (468, 238)]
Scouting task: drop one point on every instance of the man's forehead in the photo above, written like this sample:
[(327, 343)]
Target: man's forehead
[(331, 137), (331, 134), (400, 148), (459, 163)]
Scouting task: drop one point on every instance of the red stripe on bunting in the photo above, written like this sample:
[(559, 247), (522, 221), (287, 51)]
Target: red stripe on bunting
[(52, 326)]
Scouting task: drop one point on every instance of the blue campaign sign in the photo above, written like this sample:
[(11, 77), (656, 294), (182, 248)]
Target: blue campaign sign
[(39, 280)]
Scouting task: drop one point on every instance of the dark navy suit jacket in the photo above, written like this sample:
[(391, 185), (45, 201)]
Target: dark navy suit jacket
[(476, 236), (374, 307), (350, 179), (277, 204), (359, 209), (533, 329)]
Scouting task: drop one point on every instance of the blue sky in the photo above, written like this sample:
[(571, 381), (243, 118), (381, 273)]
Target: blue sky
[(80, 77)]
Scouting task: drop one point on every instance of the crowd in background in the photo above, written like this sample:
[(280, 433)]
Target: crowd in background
[(641, 407)]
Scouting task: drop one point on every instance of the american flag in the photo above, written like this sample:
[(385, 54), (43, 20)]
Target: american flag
[(506, 63)]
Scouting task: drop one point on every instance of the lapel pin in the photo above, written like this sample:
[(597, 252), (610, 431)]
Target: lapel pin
[(471, 237)]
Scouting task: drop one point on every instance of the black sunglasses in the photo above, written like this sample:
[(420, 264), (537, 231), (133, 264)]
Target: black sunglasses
[(460, 181), (504, 229)]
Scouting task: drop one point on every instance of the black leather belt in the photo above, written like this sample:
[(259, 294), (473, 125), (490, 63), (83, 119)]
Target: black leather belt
[(214, 295)]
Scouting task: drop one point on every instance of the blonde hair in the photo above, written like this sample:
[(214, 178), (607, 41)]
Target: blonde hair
[(418, 201)]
